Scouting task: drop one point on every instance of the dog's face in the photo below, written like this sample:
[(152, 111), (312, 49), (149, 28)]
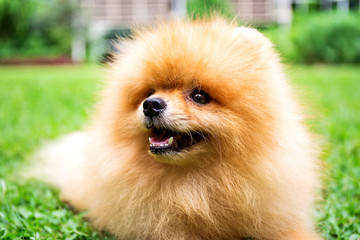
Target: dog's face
[(187, 97), (171, 118), (180, 122)]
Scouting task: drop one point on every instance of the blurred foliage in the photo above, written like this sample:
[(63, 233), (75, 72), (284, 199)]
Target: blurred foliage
[(207, 8), (325, 37), (15, 19), (36, 27), (323, 5)]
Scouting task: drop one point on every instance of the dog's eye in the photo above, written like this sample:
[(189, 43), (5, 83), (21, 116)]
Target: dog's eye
[(200, 97)]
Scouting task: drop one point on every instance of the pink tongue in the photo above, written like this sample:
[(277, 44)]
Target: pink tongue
[(159, 140)]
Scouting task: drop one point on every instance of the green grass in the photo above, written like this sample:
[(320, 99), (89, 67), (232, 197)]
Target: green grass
[(334, 93), (39, 103)]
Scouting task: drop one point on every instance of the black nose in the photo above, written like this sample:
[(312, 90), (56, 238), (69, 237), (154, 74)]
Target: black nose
[(153, 106)]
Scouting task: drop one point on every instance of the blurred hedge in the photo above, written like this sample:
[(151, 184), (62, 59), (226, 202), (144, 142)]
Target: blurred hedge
[(207, 8), (31, 28), (327, 37)]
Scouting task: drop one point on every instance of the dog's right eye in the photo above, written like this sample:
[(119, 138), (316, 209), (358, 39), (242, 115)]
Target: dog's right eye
[(200, 97)]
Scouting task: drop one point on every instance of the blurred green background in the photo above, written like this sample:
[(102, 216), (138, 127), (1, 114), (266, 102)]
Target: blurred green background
[(50, 73), (54, 29)]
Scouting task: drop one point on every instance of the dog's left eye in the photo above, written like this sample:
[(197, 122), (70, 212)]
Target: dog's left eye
[(200, 97)]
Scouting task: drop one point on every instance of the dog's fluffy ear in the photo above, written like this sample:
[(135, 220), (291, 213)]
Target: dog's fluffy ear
[(245, 30), (251, 34)]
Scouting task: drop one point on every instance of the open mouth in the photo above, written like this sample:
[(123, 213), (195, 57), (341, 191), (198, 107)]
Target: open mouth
[(165, 141)]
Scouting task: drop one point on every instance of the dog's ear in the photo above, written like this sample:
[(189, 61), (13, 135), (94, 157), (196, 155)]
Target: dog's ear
[(245, 30), (251, 34)]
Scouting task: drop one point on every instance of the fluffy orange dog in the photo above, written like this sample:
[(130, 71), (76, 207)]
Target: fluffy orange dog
[(197, 136)]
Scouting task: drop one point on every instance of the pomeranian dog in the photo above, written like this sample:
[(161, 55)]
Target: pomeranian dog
[(197, 136)]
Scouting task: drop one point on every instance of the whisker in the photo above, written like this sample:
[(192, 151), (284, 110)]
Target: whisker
[(191, 137), (216, 144)]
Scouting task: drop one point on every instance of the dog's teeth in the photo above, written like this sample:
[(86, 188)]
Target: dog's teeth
[(150, 139), (170, 141), (166, 145), (162, 145)]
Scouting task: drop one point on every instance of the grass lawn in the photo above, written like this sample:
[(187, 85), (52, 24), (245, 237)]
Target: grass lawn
[(39, 103)]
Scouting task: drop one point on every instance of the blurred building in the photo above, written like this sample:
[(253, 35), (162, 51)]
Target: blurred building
[(105, 15), (110, 14)]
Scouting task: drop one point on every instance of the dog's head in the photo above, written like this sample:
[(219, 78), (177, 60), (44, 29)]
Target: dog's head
[(190, 91)]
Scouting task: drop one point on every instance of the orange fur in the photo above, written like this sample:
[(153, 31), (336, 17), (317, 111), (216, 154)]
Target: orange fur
[(255, 175)]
